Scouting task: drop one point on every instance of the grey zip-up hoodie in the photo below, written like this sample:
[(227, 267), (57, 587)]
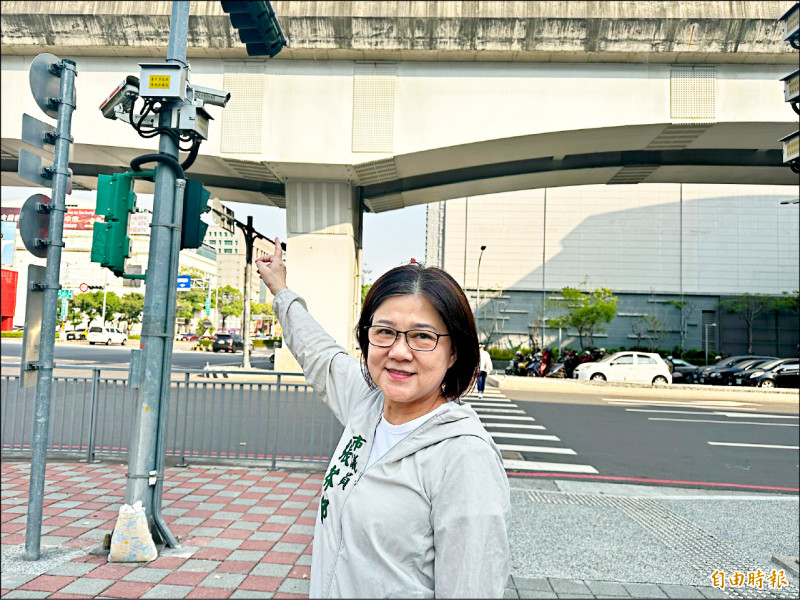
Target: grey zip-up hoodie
[(428, 519)]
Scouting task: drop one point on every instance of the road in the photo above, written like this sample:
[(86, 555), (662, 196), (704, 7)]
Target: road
[(82, 353), (641, 437)]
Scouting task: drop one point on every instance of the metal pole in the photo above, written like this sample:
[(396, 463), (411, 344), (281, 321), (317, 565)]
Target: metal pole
[(680, 274), (156, 326), (706, 343), (105, 288), (44, 381), (544, 248), (478, 301), (248, 244)]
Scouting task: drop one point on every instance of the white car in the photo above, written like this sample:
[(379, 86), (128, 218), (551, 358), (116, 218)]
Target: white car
[(628, 367), (107, 335)]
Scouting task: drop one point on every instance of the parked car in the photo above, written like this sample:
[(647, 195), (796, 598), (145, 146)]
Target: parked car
[(782, 372), (683, 372), (630, 367), (107, 335), (704, 373), (728, 375), (188, 337), (228, 342), (77, 334)]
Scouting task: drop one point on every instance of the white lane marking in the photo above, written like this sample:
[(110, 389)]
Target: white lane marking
[(514, 426), (724, 422), (773, 446), (503, 404), (527, 436), (509, 417), (508, 411), (484, 399), (697, 404), (531, 465), (674, 412), (541, 449), (720, 403), (759, 415)]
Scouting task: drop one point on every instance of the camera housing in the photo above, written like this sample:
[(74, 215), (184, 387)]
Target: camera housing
[(210, 96), (121, 99)]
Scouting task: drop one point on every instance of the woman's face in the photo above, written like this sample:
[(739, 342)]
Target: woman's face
[(404, 375)]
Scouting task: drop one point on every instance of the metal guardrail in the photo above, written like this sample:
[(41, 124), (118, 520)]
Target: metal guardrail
[(92, 415)]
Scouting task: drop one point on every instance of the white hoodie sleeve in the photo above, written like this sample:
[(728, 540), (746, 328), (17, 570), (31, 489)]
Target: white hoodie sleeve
[(470, 513), (328, 368)]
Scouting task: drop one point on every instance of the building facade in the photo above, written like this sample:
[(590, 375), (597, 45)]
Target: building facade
[(656, 246)]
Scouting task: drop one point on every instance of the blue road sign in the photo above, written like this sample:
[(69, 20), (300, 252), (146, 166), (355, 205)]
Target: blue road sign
[(184, 282)]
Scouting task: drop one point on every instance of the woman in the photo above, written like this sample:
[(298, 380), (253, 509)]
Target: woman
[(415, 501)]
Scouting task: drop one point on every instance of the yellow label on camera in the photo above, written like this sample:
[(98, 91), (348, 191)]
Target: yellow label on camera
[(159, 82)]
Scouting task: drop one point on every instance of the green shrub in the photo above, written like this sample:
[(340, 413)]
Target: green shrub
[(204, 342), (12, 334)]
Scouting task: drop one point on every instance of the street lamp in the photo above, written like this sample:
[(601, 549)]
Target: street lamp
[(707, 326), (478, 302)]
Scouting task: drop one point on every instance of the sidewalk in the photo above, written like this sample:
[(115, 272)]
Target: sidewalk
[(247, 533)]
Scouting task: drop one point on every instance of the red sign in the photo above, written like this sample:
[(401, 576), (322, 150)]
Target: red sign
[(83, 287), (76, 218)]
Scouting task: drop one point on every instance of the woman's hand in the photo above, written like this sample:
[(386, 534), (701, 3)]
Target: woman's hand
[(272, 270)]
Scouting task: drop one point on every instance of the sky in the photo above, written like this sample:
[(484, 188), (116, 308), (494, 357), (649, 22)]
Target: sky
[(390, 238)]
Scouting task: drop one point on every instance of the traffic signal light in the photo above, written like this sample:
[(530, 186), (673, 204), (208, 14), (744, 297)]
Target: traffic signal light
[(110, 241), (258, 27), (195, 203)]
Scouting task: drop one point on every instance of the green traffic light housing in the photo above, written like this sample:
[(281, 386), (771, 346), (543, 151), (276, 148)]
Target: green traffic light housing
[(195, 203), (110, 241), (258, 27)]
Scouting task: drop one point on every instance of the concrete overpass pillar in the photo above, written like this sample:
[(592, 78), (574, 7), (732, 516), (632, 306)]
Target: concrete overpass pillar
[(323, 257)]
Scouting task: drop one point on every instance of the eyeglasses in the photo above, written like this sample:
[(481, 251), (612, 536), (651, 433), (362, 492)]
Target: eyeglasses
[(420, 340)]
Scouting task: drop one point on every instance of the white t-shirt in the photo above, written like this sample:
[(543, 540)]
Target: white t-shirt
[(387, 436)]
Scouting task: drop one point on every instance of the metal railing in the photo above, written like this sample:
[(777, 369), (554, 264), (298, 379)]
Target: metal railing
[(92, 416)]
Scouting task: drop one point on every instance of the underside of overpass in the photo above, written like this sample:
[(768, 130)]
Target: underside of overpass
[(743, 153)]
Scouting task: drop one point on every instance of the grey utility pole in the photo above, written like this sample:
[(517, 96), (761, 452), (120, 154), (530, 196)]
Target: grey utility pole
[(44, 381), (145, 470)]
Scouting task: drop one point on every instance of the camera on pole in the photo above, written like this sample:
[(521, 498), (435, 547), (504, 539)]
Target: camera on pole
[(791, 87)]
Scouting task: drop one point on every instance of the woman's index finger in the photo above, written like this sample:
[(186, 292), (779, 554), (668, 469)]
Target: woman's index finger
[(278, 253)]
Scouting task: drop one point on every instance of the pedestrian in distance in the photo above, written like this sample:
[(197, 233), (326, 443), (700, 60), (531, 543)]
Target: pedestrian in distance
[(415, 501), (485, 368)]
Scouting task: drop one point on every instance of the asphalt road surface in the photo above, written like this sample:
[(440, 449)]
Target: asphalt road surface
[(82, 353), (629, 436)]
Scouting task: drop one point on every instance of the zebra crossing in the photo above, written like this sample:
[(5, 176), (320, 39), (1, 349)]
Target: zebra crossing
[(512, 430)]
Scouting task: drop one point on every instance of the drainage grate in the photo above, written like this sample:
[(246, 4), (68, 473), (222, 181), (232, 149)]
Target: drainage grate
[(678, 533)]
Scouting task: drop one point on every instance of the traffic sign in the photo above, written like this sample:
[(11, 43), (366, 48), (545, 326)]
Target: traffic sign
[(65, 294), (84, 287), (184, 282), (64, 308), (34, 224)]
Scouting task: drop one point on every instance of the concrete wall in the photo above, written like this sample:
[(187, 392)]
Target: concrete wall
[(663, 31)]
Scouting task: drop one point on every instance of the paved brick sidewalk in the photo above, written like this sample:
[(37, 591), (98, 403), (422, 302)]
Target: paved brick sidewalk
[(244, 533)]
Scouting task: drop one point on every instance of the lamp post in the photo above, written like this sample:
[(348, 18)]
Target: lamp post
[(707, 326), (478, 301)]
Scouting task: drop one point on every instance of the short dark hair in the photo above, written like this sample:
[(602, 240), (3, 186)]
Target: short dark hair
[(449, 300)]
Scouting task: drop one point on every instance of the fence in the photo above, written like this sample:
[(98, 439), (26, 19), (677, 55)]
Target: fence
[(92, 415)]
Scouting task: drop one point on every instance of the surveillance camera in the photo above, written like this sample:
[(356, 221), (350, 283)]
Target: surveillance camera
[(211, 96), (122, 98)]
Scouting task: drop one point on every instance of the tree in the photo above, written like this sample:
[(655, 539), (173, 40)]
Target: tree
[(131, 308), (789, 301), (89, 304), (658, 332), (230, 302), (748, 307), (639, 329), (113, 306), (687, 309), (587, 311)]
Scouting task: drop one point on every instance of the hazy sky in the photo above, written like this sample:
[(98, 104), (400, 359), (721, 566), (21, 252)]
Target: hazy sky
[(390, 238)]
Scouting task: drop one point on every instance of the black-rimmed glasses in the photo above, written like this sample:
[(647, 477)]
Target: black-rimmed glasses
[(420, 340)]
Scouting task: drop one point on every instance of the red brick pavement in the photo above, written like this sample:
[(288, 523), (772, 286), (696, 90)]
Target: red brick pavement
[(215, 498)]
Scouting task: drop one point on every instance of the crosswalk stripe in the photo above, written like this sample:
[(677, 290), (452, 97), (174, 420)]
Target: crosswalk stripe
[(514, 426), (527, 436), (759, 415), (775, 447), (509, 417), (508, 411), (503, 404), (540, 449), (530, 465)]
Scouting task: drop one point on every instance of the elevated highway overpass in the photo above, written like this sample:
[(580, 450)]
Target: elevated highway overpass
[(380, 105)]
